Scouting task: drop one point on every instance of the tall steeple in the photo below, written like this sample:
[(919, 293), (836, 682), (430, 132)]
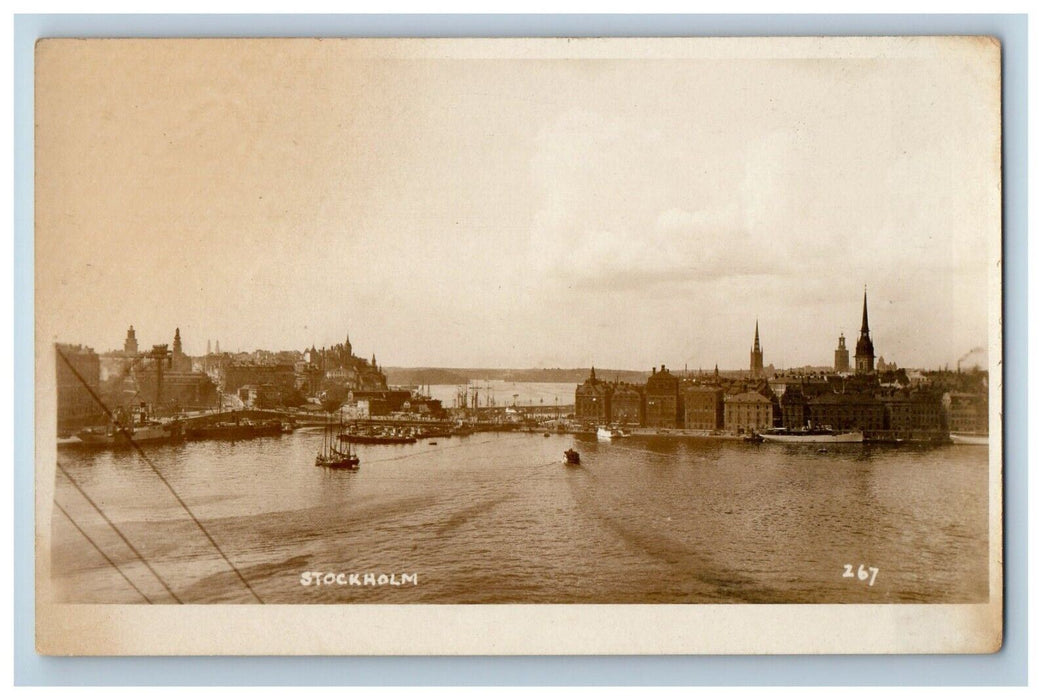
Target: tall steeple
[(864, 346), (757, 363), (865, 329)]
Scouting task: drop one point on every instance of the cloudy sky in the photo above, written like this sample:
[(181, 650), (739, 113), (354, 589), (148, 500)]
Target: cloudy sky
[(518, 205)]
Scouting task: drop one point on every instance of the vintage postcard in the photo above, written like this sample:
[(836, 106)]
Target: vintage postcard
[(518, 346)]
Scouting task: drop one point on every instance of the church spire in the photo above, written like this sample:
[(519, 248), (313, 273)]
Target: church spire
[(864, 346), (865, 329), (757, 364)]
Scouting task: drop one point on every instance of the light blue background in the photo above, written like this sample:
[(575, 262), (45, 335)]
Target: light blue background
[(1009, 667)]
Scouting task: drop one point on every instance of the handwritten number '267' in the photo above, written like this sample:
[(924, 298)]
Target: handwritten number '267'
[(862, 573)]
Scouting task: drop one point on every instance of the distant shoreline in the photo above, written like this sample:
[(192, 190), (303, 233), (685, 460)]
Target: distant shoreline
[(577, 375)]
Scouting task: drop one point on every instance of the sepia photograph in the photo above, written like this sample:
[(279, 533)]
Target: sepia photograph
[(555, 345)]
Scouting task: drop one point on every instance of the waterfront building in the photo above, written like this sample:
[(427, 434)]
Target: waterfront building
[(794, 408), (966, 412), (841, 356), (864, 345), (179, 390), (914, 410), (158, 378), (426, 406), (628, 405), (663, 407), (704, 407), (234, 375), (380, 403), (259, 395), (77, 406), (850, 411), (757, 364), (593, 400), (748, 412)]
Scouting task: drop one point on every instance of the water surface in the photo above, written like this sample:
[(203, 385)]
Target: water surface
[(496, 517)]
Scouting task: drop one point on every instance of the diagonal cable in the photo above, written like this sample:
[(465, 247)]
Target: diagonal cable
[(116, 530), (99, 550), (127, 434)]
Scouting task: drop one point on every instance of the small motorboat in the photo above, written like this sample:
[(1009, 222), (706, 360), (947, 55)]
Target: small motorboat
[(608, 433), (571, 457)]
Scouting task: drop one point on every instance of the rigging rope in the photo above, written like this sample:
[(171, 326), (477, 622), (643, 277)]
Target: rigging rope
[(116, 530), (127, 434), (104, 555)]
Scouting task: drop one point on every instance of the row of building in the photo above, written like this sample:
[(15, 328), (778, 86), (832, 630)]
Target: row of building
[(170, 380), (667, 401), (862, 397)]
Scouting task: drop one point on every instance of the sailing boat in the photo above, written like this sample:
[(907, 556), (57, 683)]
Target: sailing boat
[(337, 450)]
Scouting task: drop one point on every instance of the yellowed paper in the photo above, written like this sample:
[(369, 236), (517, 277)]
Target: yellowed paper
[(516, 227)]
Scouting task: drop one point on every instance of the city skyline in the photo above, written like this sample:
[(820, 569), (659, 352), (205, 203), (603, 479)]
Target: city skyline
[(975, 357), (516, 212)]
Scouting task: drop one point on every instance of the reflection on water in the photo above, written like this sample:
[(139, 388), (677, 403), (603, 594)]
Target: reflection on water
[(498, 518)]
